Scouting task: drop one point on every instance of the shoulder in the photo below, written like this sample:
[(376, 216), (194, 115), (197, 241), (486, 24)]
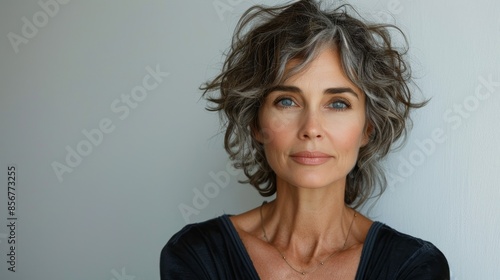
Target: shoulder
[(188, 250), (195, 235), (402, 256), (207, 250)]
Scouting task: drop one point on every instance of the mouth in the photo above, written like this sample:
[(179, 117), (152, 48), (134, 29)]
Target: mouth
[(310, 158)]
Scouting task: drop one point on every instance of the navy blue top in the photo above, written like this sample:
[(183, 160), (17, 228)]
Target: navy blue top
[(214, 250)]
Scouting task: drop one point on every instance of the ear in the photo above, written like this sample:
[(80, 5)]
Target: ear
[(367, 133)]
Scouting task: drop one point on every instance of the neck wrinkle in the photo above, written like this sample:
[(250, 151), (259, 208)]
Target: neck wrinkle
[(307, 224)]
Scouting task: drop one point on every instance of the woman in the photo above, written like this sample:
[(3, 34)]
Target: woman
[(313, 100)]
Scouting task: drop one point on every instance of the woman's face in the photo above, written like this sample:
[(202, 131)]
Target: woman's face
[(313, 125)]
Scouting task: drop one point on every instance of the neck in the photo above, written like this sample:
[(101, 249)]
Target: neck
[(308, 223)]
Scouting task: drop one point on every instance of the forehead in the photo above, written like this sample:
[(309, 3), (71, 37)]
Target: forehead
[(323, 70)]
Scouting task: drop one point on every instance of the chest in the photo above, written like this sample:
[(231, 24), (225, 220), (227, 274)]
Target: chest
[(270, 264)]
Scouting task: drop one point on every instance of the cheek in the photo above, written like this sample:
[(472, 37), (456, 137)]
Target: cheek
[(276, 136), (273, 127), (275, 141), (349, 136)]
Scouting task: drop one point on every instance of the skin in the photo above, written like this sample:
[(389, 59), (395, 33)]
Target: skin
[(316, 110)]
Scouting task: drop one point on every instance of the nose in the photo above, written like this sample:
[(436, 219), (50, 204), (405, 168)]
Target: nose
[(311, 127)]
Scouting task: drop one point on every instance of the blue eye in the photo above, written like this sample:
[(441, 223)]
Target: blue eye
[(339, 105), (285, 102)]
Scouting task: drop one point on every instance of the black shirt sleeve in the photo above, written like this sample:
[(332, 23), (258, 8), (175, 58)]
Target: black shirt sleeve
[(208, 250), (389, 254), (178, 260), (426, 263)]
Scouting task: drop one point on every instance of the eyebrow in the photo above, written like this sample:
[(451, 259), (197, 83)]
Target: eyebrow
[(335, 90)]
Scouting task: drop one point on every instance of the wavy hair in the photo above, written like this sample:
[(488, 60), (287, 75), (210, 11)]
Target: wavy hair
[(266, 39)]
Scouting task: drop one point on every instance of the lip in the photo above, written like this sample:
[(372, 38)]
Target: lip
[(310, 158)]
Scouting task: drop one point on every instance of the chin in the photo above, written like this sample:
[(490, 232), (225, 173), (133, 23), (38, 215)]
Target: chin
[(315, 181)]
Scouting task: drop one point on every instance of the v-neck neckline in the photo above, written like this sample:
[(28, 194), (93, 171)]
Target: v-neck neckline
[(365, 252)]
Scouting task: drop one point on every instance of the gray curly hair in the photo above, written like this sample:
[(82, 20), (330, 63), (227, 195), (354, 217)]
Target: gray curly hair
[(266, 39)]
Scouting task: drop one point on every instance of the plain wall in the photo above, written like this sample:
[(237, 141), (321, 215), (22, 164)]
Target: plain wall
[(112, 159)]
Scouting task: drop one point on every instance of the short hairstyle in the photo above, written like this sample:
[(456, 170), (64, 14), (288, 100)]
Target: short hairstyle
[(266, 39)]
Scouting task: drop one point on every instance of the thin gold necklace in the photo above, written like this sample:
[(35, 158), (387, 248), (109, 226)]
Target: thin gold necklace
[(303, 272)]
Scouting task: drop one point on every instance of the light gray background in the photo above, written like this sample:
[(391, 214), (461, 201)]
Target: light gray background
[(110, 216)]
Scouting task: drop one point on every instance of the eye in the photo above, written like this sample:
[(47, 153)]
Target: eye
[(339, 105), (285, 102)]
